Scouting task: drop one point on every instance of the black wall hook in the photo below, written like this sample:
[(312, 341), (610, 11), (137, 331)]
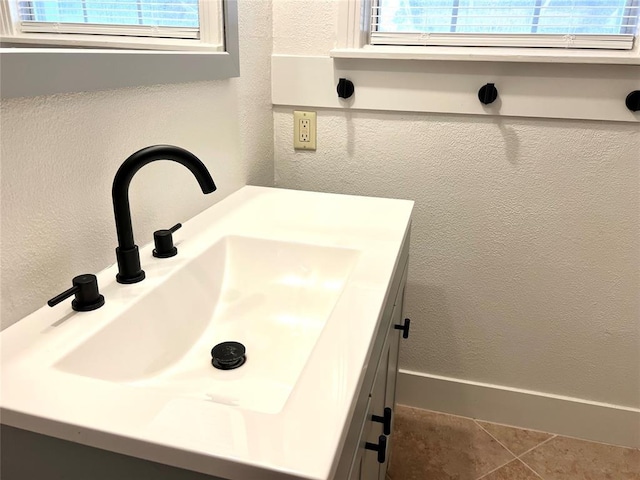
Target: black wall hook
[(345, 88), (633, 101), (488, 93)]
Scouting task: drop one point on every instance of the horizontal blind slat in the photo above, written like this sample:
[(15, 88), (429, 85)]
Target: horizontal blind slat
[(614, 42), (153, 18), (116, 30), (565, 23)]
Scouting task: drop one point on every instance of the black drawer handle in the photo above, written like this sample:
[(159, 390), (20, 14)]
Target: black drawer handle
[(380, 447), (404, 328), (385, 420)]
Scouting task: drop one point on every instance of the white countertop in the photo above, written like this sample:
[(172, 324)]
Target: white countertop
[(304, 439)]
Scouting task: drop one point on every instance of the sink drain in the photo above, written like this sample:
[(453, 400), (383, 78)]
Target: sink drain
[(228, 355)]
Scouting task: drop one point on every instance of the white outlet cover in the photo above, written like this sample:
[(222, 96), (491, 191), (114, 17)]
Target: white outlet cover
[(303, 140)]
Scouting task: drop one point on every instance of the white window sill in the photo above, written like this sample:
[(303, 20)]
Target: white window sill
[(42, 71), (33, 71), (492, 54)]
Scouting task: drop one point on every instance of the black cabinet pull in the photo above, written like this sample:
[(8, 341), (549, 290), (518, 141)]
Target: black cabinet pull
[(385, 420), (380, 447), (404, 328)]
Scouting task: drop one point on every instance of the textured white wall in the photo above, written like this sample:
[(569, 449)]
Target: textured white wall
[(525, 258), (525, 254), (60, 153), (304, 27)]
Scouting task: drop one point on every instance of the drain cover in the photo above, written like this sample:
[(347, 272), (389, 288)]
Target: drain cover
[(228, 355)]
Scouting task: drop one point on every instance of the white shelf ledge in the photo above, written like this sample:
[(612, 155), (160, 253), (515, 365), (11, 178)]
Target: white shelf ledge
[(492, 54)]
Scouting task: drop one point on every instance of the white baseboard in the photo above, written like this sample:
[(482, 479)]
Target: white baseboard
[(568, 416)]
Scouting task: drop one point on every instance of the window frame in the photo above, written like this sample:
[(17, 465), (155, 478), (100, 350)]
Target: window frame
[(41, 64), (355, 24), (209, 36)]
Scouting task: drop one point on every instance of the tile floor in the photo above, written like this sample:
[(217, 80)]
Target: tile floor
[(434, 446)]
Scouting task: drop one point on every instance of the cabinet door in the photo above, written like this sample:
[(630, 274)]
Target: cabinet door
[(365, 465), (371, 468), (391, 371), (356, 466), (394, 351)]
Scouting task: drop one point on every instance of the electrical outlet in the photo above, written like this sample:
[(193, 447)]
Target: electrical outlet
[(304, 130), (305, 125)]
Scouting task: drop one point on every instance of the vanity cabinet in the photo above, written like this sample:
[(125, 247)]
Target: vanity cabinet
[(359, 460), (128, 393), (60, 459), (367, 465), (356, 462)]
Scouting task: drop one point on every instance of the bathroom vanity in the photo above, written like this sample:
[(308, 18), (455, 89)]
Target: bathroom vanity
[(372, 421), (311, 284)]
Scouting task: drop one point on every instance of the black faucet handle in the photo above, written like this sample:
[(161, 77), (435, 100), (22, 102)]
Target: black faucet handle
[(85, 288), (164, 242)]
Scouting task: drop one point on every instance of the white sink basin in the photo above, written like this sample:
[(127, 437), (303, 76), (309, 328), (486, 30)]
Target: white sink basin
[(273, 297), (299, 278)]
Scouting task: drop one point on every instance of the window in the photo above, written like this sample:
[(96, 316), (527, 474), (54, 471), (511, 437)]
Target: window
[(188, 24), (60, 46), (608, 24), (157, 18)]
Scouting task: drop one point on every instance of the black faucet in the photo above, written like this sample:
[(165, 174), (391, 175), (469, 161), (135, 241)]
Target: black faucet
[(129, 270)]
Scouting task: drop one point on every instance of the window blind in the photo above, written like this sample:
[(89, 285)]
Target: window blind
[(141, 18), (608, 24)]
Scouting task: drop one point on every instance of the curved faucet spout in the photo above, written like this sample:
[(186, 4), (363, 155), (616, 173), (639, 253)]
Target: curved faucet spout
[(127, 251)]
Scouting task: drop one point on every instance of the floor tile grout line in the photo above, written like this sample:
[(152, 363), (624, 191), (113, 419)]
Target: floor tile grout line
[(530, 468), (533, 448), (499, 442), (515, 457), (497, 468)]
